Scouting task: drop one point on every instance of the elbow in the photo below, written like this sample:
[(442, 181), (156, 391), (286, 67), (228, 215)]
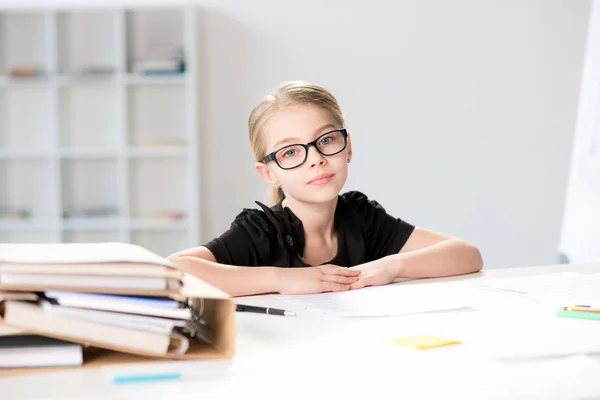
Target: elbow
[(469, 257), (476, 260)]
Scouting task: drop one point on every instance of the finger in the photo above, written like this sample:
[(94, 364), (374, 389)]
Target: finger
[(335, 270), (334, 287), (339, 278), (361, 283)]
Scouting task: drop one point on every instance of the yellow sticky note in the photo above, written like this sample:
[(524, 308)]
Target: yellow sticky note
[(421, 342)]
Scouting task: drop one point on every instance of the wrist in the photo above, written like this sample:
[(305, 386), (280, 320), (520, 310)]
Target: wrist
[(275, 278), (397, 266)]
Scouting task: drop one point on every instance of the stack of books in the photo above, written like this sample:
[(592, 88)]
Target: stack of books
[(67, 297)]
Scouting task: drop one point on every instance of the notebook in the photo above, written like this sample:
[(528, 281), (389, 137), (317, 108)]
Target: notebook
[(86, 265), (18, 351), (146, 323), (32, 316), (126, 304)]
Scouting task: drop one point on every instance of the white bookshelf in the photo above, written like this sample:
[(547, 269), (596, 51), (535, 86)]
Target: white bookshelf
[(92, 149)]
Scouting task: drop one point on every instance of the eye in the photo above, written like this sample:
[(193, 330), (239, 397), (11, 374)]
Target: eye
[(326, 140), (289, 153)]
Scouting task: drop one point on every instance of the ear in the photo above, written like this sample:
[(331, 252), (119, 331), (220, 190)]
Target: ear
[(265, 172), (349, 147)]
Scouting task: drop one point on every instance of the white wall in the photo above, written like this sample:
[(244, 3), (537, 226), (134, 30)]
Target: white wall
[(462, 112), (580, 240)]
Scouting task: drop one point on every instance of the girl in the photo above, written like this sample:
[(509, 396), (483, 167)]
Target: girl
[(312, 239)]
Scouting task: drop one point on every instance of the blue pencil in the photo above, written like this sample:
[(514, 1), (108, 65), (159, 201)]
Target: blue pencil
[(150, 377)]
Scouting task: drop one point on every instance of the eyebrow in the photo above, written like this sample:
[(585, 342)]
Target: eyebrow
[(296, 140)]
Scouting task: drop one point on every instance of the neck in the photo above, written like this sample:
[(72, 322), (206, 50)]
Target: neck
[(317, 218)]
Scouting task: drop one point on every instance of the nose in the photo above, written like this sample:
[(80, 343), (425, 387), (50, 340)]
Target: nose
[(314, 158)]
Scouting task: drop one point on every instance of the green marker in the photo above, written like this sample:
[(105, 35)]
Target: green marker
[(578, 314)]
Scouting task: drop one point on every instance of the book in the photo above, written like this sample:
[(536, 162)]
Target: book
[(19, 351), (78, 253), (86, 265), (32, 317), (89, 281), (143, 305), (146, 323)]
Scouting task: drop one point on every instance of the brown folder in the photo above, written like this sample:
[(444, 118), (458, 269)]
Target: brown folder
[(218, 312)]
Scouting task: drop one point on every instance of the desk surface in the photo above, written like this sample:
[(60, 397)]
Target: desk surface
[(317, 355)]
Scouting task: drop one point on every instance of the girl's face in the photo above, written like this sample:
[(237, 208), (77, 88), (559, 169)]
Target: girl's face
[(320, 178)]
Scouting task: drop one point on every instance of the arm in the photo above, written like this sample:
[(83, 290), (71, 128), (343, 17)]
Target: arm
[(243, 281), (237, 281), (426, 254), (429, 254)]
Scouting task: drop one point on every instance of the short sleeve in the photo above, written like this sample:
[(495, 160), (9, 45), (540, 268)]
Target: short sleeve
[(383, 234), (247, 242)]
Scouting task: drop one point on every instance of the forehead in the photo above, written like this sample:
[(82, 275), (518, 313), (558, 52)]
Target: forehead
[(300, 121)]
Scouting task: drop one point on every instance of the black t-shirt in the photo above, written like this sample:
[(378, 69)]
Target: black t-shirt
[(275, 236)]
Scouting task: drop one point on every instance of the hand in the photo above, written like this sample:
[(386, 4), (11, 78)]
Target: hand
[(322, 278), (374, 273)]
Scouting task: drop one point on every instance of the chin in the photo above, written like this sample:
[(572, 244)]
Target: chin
[(322, 194)]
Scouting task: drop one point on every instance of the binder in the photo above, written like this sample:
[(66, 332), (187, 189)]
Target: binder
[(212, 310)]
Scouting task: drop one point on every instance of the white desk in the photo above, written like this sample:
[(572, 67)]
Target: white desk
[(315, 355)]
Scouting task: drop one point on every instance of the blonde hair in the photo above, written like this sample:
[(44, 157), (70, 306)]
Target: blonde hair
[(288, 94)]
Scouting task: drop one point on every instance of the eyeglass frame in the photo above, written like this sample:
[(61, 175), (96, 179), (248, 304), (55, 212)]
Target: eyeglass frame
[(271, 156)]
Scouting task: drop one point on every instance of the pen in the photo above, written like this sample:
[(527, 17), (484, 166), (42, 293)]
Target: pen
[(151, 377), (581, 308), (264, 310)]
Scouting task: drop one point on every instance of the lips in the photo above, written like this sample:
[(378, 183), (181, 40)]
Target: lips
[(320, 179)]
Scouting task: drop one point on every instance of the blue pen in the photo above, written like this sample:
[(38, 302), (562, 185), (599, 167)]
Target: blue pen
[(150, 377)]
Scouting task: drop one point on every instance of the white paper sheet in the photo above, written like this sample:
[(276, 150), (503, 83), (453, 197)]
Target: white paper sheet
[(535, 333), (561, 289), (388, 300)]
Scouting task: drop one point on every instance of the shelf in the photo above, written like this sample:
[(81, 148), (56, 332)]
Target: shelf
[(94, 132), (164, 179), (26, 236), (21, 183), (94, 224), (23, 41), (158, 224), (34, 81), (89, 152), (24, 154), (89, 116), (87, 39), (156, 114), (94, 79), (157, 152), (168, 79), (25, 117), (91, 236), (154, 34), (90, 184), (26, 225), (85, 79)]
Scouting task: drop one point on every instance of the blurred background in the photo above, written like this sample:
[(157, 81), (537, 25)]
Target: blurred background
[(126, 121)]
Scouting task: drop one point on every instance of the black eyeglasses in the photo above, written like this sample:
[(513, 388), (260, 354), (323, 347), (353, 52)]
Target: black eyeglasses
[(294, 155)]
